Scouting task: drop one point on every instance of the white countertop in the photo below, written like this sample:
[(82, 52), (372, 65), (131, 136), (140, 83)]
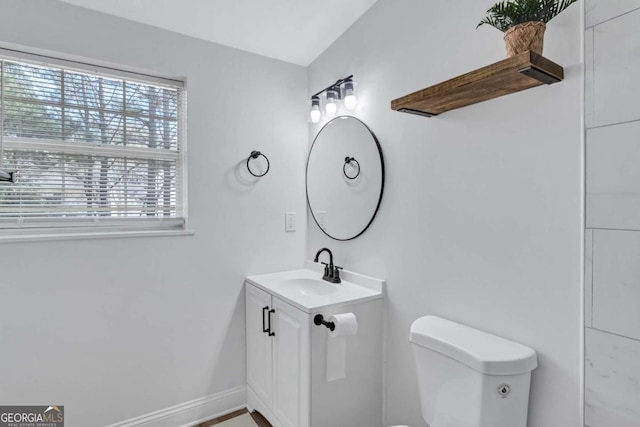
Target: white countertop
[(305, 289)]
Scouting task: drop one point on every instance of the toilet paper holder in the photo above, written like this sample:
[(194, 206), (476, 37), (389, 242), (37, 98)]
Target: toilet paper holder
[(319, 321)]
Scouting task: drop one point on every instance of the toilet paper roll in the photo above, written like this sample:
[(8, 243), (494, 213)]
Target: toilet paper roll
[(346, 325)]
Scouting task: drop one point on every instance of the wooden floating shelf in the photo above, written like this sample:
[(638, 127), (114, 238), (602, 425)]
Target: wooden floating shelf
[(520, 72)]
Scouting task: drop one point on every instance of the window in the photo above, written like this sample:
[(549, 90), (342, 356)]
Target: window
[(92, 147)]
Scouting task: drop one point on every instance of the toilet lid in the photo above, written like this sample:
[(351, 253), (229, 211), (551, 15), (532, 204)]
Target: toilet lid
[(486, 353)]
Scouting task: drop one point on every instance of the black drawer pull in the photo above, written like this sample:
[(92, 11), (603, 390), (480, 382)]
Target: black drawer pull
[(271, 334), (264, 327)]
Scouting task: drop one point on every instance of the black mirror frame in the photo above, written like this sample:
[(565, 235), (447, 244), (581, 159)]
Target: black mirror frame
[(306, 174)]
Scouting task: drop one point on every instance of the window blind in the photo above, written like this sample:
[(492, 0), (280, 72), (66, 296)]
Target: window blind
[(90, 149)]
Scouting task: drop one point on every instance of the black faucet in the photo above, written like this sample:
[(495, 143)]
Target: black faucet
[(331, 272)]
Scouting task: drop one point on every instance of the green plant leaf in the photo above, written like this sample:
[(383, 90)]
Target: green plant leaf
[(506, 14)]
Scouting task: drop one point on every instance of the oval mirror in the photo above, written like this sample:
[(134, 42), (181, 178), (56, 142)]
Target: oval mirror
[(345, 178)]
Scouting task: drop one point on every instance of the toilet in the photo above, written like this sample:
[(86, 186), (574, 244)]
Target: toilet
[(469, 378)]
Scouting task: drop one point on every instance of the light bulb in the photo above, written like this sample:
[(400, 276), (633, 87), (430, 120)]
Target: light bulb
[(315, 113), (350, 100), (331, 107)]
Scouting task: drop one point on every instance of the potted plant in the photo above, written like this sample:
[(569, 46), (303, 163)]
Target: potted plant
[(523, 22)]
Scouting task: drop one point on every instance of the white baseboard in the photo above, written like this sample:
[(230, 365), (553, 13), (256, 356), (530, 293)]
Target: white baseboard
[(192, 413)]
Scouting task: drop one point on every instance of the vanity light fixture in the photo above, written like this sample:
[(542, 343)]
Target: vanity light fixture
[(343, 89)]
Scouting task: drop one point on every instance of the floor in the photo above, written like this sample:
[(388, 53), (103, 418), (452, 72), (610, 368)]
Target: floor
[(241, 418)]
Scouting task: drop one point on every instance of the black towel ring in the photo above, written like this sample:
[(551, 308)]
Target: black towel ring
[(255, 155), (347, 161)]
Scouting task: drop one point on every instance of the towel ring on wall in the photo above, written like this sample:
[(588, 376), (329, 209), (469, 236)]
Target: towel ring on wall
[(347, 161), (255, 155)]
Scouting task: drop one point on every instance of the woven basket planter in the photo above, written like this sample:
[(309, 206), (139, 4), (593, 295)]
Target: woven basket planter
[(523, 37)]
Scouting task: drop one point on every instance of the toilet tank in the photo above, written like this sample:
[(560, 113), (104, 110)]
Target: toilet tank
[(469, 378)]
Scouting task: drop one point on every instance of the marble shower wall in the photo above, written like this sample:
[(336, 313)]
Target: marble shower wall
[(612, 239)]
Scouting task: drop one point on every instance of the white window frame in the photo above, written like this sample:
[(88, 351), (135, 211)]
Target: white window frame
[(94, 227)]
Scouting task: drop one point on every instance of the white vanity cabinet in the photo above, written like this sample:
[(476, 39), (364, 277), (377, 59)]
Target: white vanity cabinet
[(278, 359), (287, 380), (259, 343)]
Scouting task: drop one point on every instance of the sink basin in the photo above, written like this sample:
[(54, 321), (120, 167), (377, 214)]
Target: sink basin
[(311, 287)]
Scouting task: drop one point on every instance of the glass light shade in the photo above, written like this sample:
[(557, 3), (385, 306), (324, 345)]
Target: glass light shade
[(315, 114), (350, 100), (331, 107)]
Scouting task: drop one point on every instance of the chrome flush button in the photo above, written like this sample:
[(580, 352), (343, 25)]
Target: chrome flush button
[(504, 390)]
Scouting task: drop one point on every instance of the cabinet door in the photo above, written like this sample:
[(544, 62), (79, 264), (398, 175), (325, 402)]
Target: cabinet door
[(259, 343), (291, 363)]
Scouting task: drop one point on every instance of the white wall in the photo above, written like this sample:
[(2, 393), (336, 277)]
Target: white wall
[(482, 213), (612, 279), (117, 328)]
